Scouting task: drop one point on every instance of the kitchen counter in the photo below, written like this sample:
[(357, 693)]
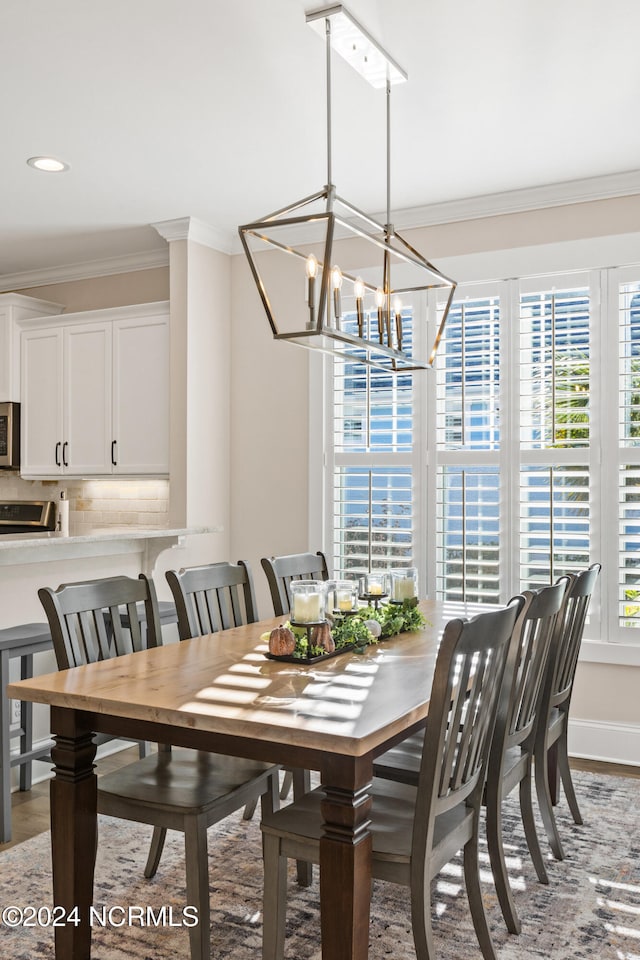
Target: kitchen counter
[(18, 548)]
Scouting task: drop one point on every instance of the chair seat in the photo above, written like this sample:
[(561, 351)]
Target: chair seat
[(166, 609), (391, 823), (169, 781), (401, 763), (23, 633), (514, 765), (555, 723)]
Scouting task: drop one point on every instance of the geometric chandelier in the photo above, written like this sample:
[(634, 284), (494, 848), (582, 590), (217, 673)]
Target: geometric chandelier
[(344, 299)]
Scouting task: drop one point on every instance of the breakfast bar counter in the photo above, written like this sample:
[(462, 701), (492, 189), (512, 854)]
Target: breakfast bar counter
[(26, 548)]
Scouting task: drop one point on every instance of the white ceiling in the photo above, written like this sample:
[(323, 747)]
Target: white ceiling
[(216, 110)]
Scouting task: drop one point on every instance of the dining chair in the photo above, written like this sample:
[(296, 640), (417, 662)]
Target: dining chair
[(280, 571), (175, 789), (416, 830), (551, 750), (212, 597), (511, 757)]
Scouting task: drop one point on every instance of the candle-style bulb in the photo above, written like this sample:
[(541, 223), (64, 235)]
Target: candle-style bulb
[(358, 289), (379, 296), (336, 283), (397, 309), (311, 269)]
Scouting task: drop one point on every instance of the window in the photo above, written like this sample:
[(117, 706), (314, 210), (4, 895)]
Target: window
[(515, 460)]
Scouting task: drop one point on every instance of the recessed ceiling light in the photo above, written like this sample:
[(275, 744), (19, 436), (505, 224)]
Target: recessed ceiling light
[(48, 164)]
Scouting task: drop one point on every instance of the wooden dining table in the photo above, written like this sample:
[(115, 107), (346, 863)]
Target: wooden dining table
[(221, 693)]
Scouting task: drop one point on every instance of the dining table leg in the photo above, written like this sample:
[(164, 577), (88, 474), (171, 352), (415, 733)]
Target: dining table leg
[(74, 832), (345, 860)]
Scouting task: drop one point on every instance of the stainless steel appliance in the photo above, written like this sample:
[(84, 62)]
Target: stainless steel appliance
[(27, 516), (9, 435)]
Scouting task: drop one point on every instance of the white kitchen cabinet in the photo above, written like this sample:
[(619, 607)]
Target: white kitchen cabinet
[(95, 394), (16, 309), (41, 399), (140, 435)]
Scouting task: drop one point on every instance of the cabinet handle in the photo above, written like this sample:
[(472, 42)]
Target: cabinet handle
[(113, 453), (64, 454), (58, 445)]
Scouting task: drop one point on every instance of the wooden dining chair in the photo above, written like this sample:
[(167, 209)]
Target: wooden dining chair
[(512, 748), (175, 789), (511, 758), (551, 750), (416, 830), (280, 571), (212, 597)]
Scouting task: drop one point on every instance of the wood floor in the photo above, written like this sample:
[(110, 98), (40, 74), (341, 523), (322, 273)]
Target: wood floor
[(30, 810)]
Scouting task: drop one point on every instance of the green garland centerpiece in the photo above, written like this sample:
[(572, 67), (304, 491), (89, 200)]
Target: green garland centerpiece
[(356, 630)]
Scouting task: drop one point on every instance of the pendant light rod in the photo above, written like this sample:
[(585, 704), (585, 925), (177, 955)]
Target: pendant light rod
[(388, 154), (328, 43)]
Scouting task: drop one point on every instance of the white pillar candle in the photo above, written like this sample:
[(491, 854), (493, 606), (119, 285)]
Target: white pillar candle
[(345, 601), (306, 607), (403, 588)]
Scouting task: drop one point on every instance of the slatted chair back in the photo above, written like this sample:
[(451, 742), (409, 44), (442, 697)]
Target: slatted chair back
[(280, 571), (86, 619), (212, 597), (533, 634), (568, 635), (462, 713)]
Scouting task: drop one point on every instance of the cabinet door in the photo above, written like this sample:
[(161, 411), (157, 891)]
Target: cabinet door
[(87, 406), (42, 400), (141, 396)]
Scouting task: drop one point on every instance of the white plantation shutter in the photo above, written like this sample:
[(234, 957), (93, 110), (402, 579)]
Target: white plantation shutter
[(554, 522), (554, 368), (628, 600), (554, 385), (468, 527), (371, 423), (468, 523)]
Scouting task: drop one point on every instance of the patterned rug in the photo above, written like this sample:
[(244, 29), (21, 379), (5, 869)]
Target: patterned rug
[(590, 910)]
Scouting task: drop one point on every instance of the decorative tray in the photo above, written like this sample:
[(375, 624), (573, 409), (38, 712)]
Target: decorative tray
[(289, 658)]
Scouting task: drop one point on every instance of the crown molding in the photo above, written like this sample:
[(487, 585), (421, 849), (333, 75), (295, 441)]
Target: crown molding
[(24, 280), (518, 201), (190, 228), (451, 211)]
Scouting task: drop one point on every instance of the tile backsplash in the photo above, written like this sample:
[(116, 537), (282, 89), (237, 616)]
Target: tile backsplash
[(97, 503)]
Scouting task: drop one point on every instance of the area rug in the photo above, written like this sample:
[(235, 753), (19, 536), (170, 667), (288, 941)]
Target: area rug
[(589, 911)]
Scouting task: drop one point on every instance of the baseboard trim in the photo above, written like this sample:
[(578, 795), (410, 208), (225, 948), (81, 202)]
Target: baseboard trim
[(610, 742)]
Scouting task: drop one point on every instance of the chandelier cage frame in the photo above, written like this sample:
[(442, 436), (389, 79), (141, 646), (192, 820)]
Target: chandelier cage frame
[(381, 328)]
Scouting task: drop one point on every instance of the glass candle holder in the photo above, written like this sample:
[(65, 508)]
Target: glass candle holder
[(373, 585), (404, 584), (308, 601), (345, 596)]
